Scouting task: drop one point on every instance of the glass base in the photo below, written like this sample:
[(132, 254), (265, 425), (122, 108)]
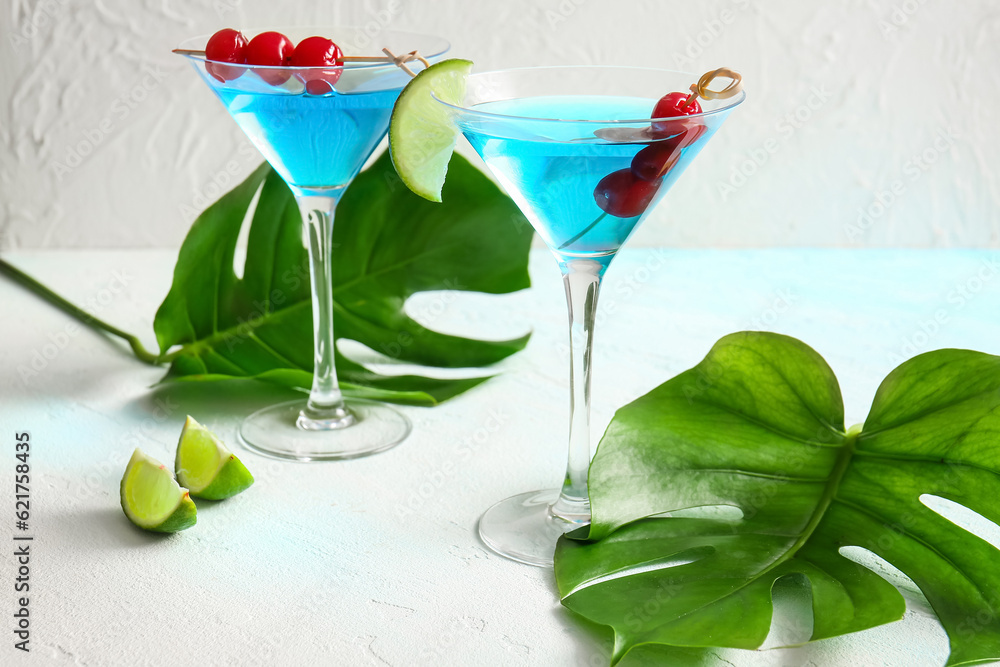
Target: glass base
[(283, 432), (524, 529)]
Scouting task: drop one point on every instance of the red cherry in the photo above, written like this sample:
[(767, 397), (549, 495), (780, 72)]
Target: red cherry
[(657, 159), (272, 49), (623, 195), (654, 161), (226, 46), (318, 52), (672, 105)]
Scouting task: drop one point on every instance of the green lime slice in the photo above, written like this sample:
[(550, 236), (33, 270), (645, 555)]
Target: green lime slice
[(152, 499), (206, 467), (422, 134)]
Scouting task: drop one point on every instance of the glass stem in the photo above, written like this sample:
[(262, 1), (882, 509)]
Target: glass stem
[(582, 279), (325, 409)]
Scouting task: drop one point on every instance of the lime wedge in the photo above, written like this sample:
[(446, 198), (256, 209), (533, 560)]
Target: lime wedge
[(152, 499), (206, 467), (422, 135)]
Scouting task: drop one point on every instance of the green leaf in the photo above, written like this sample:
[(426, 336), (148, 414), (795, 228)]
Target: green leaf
[(758, 425), (389, 244)]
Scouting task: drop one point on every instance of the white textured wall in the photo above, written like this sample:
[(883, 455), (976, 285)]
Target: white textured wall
[(889, 106)]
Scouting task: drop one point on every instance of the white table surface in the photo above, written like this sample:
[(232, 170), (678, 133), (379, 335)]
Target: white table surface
[(376, 561)]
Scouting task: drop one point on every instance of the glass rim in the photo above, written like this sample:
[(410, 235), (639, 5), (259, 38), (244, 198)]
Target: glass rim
[(199, 42), (731, 102)]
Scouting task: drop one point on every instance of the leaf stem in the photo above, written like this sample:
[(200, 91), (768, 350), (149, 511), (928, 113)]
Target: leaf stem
[(840, 466), (836, 476), (40, 290)]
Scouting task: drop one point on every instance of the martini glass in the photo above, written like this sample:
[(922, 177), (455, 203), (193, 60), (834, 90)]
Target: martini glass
[(567, 144), (317, 143)]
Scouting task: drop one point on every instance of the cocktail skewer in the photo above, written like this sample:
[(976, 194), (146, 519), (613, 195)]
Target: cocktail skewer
[(389, 57), (702, 90)]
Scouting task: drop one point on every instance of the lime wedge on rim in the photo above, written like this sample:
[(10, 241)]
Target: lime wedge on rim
[(206, 467), (152, 499), (422, 134)]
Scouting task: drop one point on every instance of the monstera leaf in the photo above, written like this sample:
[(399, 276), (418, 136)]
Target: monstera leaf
[(388, 245), (759, 425)]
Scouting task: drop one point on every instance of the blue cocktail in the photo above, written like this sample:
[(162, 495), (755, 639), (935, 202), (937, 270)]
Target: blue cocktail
[(317, 126), (578, 150), (313, 142)]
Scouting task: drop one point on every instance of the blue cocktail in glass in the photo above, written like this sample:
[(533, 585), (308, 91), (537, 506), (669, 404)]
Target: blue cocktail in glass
[(317, 138), (576, 148)]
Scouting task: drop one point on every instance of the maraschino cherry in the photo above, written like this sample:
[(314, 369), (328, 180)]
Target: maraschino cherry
[(624, 195), (658, 158), (627, 193), (318, 52), (226, 46), (274, 50), (317, 61), (672, 105)]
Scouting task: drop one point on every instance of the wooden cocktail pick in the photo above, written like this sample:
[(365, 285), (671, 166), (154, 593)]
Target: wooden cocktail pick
[(389, 57), (702, 90), (632, 135)]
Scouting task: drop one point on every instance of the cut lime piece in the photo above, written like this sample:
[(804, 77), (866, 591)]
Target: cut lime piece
[(152, 499), (422, 134), (206, 467)]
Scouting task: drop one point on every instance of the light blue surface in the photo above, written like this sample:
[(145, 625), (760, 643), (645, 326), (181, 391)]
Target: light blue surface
[(865, 311), (385, 547)]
